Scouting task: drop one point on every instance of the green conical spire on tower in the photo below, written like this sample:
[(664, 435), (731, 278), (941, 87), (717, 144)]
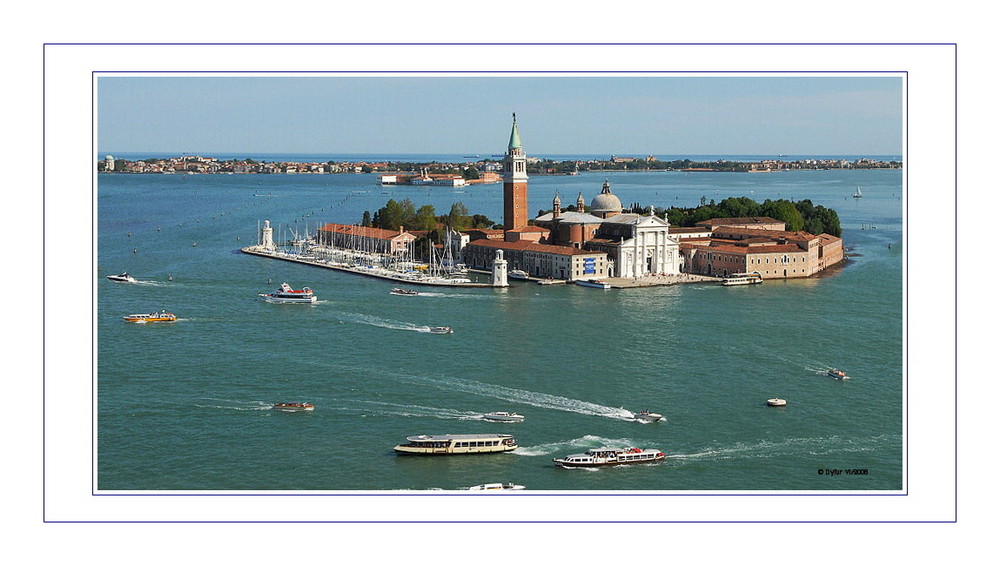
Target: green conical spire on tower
[(515, 137)]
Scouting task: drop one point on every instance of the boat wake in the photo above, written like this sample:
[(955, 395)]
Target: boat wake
[(765, 449), (386, 323), (533, 398), (437, 294), (576, 444), (234, 405), (396, 410)]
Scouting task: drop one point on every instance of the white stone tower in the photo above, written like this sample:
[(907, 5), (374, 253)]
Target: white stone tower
[(500, 270), (267, 237)]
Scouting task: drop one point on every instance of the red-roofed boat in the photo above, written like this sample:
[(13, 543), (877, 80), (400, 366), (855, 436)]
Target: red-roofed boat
[(288, 295)]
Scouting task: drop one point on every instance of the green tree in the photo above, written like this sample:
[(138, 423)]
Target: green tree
[(424, 219), (786, 212), (366, 219), (458, 217)]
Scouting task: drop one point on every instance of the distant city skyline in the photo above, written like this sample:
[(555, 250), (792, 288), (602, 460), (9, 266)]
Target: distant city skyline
[(722, 115)]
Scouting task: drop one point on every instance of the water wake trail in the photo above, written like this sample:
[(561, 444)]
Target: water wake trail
[(234, 405), (379, 409), (576, 444), (384, 323), (822, 446), (533, 398)]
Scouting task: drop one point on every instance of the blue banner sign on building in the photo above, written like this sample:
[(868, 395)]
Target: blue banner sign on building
[(588, 265)]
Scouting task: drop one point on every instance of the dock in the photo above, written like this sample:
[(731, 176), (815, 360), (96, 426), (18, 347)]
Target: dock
[(378, 273), (658, 280)]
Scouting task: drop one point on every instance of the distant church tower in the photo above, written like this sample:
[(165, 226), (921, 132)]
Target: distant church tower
[(515, 183)]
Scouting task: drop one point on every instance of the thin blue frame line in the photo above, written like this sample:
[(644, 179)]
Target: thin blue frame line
[(508, 522), (571, 494), (437, 44), (906, 425), (832, 494), (503, 72)]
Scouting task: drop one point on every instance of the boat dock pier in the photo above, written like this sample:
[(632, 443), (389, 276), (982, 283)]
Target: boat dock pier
[(378, 273), (658, 280)]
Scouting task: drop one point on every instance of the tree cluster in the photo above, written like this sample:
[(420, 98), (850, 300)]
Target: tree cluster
[(801, 215), (404, 213)]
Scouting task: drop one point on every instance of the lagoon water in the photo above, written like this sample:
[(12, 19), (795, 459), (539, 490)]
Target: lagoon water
[(186, 406)]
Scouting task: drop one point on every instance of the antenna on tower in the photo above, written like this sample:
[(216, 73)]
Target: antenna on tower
[(514, 114)]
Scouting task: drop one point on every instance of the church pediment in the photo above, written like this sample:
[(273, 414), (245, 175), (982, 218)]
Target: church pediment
[(652, 221)]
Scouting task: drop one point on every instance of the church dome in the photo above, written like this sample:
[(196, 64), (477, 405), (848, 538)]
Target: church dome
[(606, 203)]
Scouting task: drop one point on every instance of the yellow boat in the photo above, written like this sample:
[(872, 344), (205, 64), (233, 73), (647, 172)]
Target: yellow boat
[(162, 316)]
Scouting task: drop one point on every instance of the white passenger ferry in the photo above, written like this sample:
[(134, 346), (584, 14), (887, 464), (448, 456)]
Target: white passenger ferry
[(743, 279), (610, 457), (517, 274), (288, 295), (441, 444)]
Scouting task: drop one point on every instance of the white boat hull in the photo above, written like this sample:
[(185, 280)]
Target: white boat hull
[(508, 418), (594, 284), (288, 300)]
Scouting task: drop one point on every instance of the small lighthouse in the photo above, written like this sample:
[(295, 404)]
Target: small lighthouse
[(267, 236), (500, 270)]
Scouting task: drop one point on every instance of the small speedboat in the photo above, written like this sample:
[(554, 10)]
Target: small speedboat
[(648, 417), (285, 294), (293, 407), (503, 417), (596, 283), (776, 402), (518, 274), (495, 487), (837, 374), (407, 292), (441, 330), (162, 316), (122, 278)]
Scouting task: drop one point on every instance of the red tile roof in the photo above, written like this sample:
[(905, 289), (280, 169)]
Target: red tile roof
[(363, 231), (525, 245)]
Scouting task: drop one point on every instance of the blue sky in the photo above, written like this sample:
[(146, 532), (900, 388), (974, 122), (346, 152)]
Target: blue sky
[(669, 115)]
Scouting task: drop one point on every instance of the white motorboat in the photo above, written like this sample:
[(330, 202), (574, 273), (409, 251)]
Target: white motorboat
[(441, 330), (443, 444), (293, 407), (596, 283), (497, 487), (596, 457), (123, 278), (517, 274), (648, 417), (837, 374), (503, 417), (743, 279), (285, 294), (404, 292), (776, 402)]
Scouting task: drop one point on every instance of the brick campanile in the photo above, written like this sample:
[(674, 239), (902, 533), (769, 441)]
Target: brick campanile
[(515, 183)]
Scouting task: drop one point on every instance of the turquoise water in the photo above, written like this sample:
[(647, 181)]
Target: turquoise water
[(186, 406)]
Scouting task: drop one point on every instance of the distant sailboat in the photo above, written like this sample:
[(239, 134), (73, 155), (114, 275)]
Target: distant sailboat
[(857, 193)]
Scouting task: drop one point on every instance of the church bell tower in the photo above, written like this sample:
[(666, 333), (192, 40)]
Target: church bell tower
[(515, 183)]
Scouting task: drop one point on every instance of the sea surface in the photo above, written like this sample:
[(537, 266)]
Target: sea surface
[(187, 406)]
